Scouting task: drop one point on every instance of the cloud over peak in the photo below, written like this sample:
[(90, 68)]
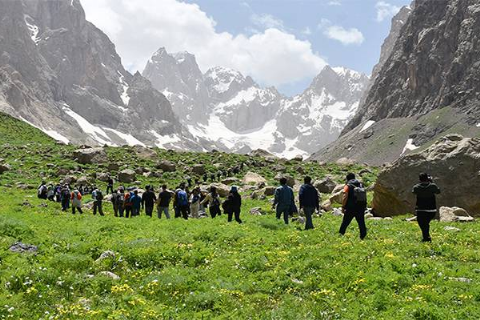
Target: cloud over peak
[(138, 28), (345, 36)]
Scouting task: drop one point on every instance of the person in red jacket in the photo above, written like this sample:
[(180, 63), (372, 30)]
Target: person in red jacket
[(76, 198)]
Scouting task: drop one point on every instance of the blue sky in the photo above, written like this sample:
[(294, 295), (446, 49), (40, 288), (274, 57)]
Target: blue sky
[(278, 42)]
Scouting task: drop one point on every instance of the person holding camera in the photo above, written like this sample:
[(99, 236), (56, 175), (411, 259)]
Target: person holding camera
[(426, 206)]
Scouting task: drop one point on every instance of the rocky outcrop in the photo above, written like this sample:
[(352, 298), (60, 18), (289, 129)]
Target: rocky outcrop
[(454, 164), (427, 86)]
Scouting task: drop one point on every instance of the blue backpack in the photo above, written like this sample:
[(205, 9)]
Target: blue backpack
[(182, 198)]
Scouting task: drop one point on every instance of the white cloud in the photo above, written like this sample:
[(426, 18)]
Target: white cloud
[(334, 3), (385, 10), (323, 24), (266, 21), (345, 36), (138, 28), (306, 31)]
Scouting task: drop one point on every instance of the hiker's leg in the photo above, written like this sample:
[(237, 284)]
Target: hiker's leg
[(308, 217), (237, 215), (347, 218), (360, 217)]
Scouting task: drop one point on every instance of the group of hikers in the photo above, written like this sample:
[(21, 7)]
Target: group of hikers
[(129, 202)]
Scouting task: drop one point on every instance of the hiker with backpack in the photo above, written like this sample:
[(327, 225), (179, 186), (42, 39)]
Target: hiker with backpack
[(65, 197), (309, 201), (426, 205), (50, 193), (110, 185), (164, 198), (128, 205), (42, 191), (354, 205), (232, 206), (182, 203), (97, 197), (76, 198), (148, 201), (136, 201), (284, 201), (214, 203), (120, 201), (195, 202)]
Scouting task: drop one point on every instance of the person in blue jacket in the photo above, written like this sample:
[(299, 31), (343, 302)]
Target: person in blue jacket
[(284, 200), (136, 201)]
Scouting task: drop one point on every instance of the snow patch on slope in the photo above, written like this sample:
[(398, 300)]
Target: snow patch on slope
[(163, 141), (409, 146), (97, 133), (367, 125), (217, 131), (32, 28), (129, 139), (57, 136), (124, 95)]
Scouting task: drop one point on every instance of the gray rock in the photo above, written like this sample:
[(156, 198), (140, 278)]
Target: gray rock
[(109, 274), (392, 193), (4, 168), (198, 169), (127, 176), (257, 211), (253, 178), (109, 254), (20, 247), (167, 166), (90, 155), (326, 185)]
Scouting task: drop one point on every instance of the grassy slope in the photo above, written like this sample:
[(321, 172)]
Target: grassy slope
[(205, 269)]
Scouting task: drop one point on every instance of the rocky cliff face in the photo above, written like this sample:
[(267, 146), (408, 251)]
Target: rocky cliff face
[(426, 88), (238, 115), (63, 75)]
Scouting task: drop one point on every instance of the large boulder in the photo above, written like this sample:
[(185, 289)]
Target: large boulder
[(454, 214), (145, 153), (198, 169), (127, 176), (253, 178), (222, 190), (290, 179), (90, 155), (454, 163), (166, 166), (4, 168), (326, 185)]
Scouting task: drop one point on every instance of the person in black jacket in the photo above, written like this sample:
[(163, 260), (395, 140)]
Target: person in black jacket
[(426, 206), (164, 198), (353, 207), (309, 201), (232, 206), (148, 201)]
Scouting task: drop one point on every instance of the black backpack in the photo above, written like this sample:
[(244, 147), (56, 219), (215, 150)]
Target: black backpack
[(215, 201), (359, 194), (99, 195)]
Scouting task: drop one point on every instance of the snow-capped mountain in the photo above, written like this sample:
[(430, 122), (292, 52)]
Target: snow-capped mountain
[(239, 115), (62, 74)]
